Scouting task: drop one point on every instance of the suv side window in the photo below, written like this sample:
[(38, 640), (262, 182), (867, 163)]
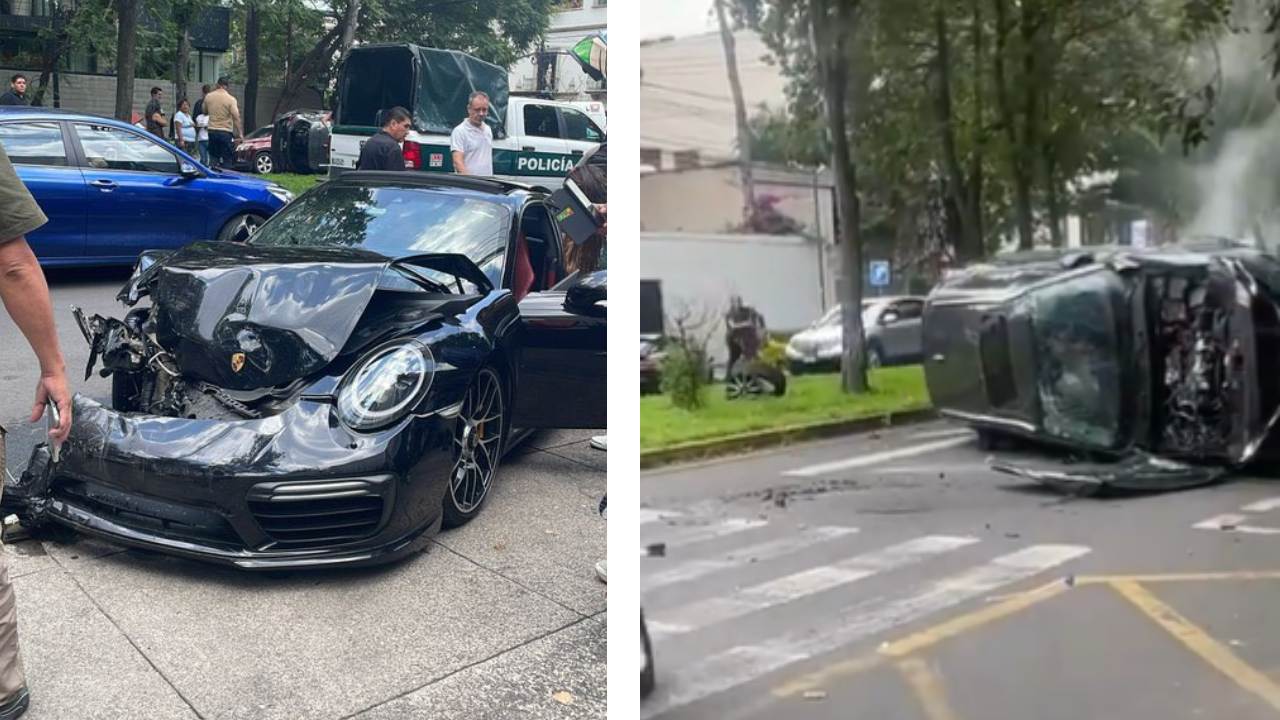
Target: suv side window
[(910, 309), (34, 143), (110, 148), (578, 126), (541, 121)]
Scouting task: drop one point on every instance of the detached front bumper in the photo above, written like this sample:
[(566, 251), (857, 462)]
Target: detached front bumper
[(294, 490)]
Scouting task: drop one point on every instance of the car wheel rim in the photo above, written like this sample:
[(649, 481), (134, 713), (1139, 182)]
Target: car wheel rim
[(264, 164), (873, 359), (477, 442), (245, 227)]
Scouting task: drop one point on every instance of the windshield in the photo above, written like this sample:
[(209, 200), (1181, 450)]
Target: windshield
[(395, 222), (870, 311), (1077, 355)]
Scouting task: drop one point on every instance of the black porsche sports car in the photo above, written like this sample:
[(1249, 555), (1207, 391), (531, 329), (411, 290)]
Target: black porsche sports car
[(1155, 368), (336, 389)]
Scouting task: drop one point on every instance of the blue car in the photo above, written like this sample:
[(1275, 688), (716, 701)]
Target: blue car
[(112, 190)]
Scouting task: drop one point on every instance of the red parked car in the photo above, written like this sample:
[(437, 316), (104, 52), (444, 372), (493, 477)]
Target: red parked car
[(254, 152)]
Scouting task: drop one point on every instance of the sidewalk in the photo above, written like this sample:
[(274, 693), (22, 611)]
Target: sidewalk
[(501, 618)]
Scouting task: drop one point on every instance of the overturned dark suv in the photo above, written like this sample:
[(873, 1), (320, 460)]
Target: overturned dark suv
[(335, 390), (1155, 368)]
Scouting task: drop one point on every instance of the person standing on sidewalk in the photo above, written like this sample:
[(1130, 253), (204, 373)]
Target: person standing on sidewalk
[(184, 128), (153, 116), (26, 298), (224, 124), (472, 140)]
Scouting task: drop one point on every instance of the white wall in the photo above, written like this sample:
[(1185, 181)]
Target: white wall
[(778, 275)]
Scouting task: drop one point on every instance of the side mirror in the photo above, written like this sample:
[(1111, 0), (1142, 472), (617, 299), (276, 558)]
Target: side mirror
[(189, 171), (589, 294), (889, 318)]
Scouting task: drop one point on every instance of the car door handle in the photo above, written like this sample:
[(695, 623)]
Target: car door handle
[(527, 148), (939, 357), (104, 185)]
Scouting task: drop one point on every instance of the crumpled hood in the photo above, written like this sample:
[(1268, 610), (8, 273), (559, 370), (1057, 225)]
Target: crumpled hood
[(244, 317)]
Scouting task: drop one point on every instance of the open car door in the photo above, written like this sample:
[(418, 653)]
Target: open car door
[(561, 368)]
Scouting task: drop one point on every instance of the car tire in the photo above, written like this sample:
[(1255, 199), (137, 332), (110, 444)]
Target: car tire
[(240, 227), (648, 676), (263, 163), (875, 355), (476, 452)]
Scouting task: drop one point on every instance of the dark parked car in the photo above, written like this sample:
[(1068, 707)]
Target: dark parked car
[(651, 356), (338, 388), (1157, 365), (254, 152), (111, 190)]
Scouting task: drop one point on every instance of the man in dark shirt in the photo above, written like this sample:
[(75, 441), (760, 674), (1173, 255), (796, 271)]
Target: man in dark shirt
[(17, 93), (198, 109), (154, 115), (382, 151)]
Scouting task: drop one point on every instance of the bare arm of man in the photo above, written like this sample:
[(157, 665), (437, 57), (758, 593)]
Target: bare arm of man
[(159, 119), (26, 296), (459, 166)]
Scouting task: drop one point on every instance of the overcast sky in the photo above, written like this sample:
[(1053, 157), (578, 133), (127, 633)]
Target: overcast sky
[(676, 17)]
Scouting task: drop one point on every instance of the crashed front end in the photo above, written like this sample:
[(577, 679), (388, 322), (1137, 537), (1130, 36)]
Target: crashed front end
[(228, 439), (1146, 370)]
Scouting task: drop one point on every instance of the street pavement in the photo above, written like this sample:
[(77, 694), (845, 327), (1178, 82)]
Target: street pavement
[(893, 575), (502, 618)]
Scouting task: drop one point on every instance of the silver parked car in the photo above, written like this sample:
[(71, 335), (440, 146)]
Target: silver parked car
[(891, 324)]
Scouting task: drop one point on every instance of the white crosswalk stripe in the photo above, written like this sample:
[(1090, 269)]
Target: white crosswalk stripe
[(706, 530), (745, 662), (728, 616), (869, 459), (808, 582), (652, 515), (740, 557)]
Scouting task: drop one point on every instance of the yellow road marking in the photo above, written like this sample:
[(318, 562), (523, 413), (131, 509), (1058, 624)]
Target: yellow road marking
[(921, 640), (815, 680), (950, 628), (935, 634), (1199, 642), (928, 688), (1180, 577)]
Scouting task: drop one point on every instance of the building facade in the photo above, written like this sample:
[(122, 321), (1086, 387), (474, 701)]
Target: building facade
[(562, 77)]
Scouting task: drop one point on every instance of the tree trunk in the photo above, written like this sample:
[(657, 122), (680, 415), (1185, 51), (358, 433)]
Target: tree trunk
[(1019, 170), (180, 61), (976, 172), (1053, 196), (829, 44), (252, 29), (349, 23), (740, 115), (52, 55), (323, 49), (1030, 26), (958, 195), (126, 56)]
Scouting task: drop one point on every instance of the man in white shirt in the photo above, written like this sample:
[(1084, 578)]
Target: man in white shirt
[(472, 140)]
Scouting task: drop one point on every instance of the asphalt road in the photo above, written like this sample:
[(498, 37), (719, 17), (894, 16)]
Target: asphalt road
[(498, 619), (893, 575)]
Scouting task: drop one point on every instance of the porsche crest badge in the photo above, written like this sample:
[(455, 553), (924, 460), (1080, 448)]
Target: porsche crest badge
[(237, 361)]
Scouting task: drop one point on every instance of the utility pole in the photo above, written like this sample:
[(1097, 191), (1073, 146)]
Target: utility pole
[(740, 113)]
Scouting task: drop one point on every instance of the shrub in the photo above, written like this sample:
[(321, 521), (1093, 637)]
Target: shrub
[(684, 376)]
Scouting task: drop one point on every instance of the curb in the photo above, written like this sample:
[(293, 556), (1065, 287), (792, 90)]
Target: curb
[(733, 444)]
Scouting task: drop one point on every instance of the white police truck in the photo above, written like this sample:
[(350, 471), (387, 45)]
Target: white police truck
[(535, 141)]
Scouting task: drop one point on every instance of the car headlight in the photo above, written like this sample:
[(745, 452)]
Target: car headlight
[(281, 193), (382, 388)]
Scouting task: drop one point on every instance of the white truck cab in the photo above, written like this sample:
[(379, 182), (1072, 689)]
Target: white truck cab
[(535, 141)]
